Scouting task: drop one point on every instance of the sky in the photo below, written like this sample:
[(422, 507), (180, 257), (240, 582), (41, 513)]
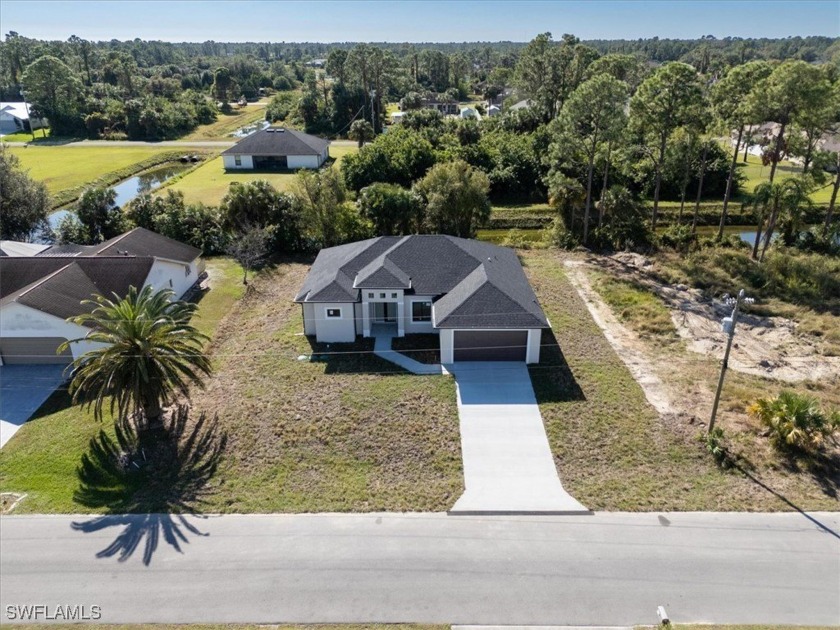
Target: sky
[(414, 21)]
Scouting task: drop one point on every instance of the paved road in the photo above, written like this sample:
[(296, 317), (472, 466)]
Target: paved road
[(602, 569), (219, 144), (508, 465)]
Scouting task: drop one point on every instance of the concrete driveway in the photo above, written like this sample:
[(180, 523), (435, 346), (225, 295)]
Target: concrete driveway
[(508, 465), (24, 388)]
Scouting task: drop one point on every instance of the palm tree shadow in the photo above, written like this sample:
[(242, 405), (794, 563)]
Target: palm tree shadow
[(148, 483)]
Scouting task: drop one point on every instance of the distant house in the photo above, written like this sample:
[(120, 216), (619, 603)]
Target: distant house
[(493, 110), (470, 113), (524, 104), (473, 295), (443, 104), (277, 148), (41, 286), (14, 117), (316, 63), (397, 117)]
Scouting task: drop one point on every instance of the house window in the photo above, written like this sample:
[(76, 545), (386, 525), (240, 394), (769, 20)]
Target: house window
[(170, 283), (421, 311), (237, 159), (334, 313), (187, 271), (382, 296), (393, 295), (370, 295)]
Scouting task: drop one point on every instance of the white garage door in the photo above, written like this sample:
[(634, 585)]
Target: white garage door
[(33, 350)]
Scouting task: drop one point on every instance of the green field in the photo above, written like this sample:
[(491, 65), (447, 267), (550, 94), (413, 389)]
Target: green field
[(756, 173), (226, 124), (67, 168), (209, 183), (24, 136)]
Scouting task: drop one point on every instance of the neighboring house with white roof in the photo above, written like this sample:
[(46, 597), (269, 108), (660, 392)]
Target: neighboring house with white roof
[(39, 290), (472, 294), (14, 117)]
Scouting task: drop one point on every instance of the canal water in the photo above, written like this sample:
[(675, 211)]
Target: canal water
[(130, 188)]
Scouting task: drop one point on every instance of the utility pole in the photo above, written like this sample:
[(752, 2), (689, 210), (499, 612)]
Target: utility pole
[(373, 110), (29, 116), (728, 327)]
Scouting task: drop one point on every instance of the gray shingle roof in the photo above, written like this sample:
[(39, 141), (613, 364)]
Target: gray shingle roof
[(56, 280), (278, 141), (58, 285), (481, 285)]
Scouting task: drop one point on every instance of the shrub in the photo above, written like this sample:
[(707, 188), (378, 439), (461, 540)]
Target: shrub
[(678, 237), (516, 239), (557, 235), (795, 421)]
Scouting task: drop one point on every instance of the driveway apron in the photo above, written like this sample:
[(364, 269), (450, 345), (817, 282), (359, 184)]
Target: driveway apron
[(24, 388), (508, 465)]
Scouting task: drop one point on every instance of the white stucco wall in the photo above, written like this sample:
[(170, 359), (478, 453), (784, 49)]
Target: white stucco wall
[(308, 318), (532, 354), (447, 345), (230, 162), (18, 320), (173, 275), (305, 161), (335, 330), (416, 327)]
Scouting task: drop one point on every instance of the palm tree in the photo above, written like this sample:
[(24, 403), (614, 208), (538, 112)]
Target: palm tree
[(785, 199), (151, 353), (795, 421)]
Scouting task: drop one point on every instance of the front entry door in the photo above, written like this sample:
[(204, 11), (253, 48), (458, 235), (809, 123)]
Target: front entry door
[(385, 312)]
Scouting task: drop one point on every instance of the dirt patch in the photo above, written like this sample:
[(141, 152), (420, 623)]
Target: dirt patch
[(9, 501), (771, 347), (626, 343)]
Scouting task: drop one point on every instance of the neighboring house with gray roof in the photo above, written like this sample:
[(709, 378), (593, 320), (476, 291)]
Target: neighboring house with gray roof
[(40, 287), (473, 295), (276, 148), (14, 117)]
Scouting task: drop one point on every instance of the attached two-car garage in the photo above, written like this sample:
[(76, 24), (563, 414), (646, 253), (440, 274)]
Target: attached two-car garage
[(482, 344), (33, 350), (490, 345)]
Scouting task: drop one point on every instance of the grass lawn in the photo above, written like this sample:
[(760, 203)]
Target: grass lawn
[(42, 458), (756, 173), (226, 124), (349, 432), (67, 168), (614, 452), (209, 183), (638, 308), (25, 136)]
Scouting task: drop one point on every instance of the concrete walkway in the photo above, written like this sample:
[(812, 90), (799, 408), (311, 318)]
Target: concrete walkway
[(382, 349), (508, 465), (24, 388)]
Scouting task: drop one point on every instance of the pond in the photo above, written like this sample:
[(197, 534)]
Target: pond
[(130, 188)]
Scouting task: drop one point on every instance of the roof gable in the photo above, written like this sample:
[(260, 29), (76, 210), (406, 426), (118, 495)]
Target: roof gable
[(278, 141), (143, 242)]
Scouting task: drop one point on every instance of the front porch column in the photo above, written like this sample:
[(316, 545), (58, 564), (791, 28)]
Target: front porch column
[(400, 320), (366, 319)]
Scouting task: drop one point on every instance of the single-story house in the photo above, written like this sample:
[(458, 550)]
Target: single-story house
[(277, 148), (493, 110), (397, 117), (473, 295), (443, 104), (40, 290), (523, 104), (14, 117)]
